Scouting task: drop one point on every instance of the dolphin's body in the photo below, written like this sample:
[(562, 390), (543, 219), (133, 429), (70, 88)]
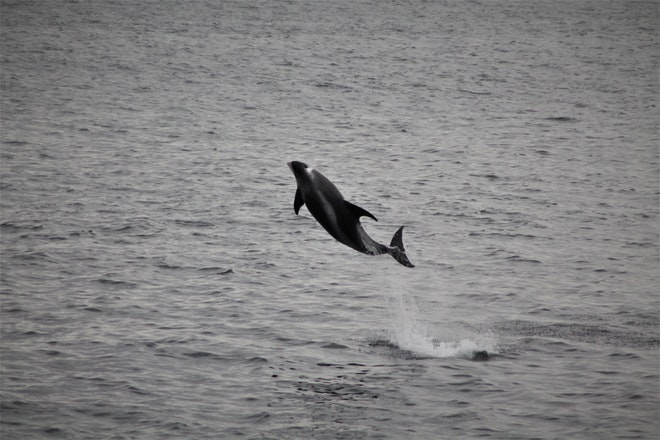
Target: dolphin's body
[(340, 218)]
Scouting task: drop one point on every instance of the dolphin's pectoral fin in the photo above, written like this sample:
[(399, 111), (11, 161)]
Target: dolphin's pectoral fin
[(358, 212), (298, 202)]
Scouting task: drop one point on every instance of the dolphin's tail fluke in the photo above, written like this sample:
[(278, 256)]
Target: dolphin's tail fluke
[(397, 250)]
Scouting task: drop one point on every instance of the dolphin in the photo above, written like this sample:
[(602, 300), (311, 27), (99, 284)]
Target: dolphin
[(340, 218)]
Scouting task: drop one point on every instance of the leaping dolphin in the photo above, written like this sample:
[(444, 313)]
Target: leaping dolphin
[(339, 217)]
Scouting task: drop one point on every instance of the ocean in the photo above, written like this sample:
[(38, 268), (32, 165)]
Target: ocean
[(157, 284)]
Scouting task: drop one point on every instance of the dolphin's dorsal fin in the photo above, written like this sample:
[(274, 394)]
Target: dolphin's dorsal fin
[(298, 202), (358, 212)]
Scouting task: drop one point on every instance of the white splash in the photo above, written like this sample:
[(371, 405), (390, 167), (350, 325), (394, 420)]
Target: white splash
[(408, 332)]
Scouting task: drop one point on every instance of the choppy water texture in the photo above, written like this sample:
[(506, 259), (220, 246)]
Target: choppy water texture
[(156, 282)]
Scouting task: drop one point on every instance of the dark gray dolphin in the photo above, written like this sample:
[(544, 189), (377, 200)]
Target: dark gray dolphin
[(339, 217)]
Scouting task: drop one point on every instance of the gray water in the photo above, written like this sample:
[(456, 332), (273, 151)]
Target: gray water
[(156, 282)]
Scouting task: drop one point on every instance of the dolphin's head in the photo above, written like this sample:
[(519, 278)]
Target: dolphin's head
[(297, 167), (300, 170)]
